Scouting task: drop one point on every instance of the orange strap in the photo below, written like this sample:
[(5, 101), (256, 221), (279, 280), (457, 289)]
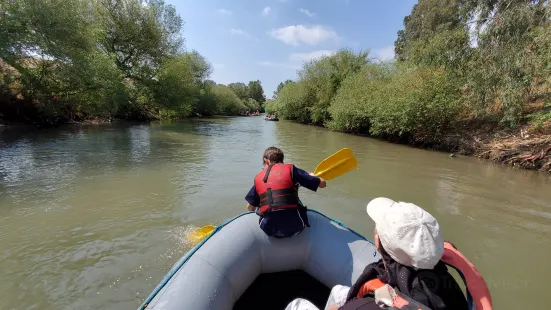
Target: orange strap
[(370, 286)]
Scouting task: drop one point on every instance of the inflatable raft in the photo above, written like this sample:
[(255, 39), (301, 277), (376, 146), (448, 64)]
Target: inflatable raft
[(239, 267), (272, 119)]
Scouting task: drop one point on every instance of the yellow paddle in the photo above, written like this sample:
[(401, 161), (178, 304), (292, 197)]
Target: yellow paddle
[(330, 168), (199, 234), (336, 164)]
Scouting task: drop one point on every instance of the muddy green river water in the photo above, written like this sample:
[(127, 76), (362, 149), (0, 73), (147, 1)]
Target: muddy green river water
[(93, 217)]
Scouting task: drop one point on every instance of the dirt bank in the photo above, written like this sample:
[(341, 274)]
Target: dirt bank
[(524, 151), (524, 148)]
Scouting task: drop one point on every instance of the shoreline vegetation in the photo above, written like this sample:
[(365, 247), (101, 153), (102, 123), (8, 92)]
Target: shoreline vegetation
[(468, 77), (79, 61)]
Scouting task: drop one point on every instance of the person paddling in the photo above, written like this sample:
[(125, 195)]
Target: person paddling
[(413, 269), (274, 195)]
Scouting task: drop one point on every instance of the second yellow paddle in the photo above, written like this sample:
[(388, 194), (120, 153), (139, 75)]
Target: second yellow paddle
[(330, 168), (200, 234)]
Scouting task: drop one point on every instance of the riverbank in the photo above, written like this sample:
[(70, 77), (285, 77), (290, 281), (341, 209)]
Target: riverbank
[(523, 147), (7, 123)]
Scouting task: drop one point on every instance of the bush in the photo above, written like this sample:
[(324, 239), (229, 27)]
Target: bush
[(227, 102), (321, 79), (294, 102), (252, 105), (356, 100), (422, 102), (385, 100)]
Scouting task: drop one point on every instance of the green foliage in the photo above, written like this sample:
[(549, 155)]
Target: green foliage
[(541, 120), (256, 91), (271, 106), (240, 89), (308, 99), (323, 78), (179, 84), (280, 86), (227, 102), (207, 105), (140, 35), (427, 19), (507, 69), (385, 100), (294, 102), (252, 105), (75, 59), (421, 102), (455, 60), (510, 67), (356, 100)]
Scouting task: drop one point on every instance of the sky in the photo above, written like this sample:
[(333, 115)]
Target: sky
[(269, 40)]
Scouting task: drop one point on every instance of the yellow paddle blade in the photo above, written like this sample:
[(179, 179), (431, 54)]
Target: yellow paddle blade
[(201, 233), (337, 164)]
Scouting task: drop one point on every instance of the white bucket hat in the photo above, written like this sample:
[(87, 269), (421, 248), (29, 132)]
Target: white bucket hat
[(409, 234)]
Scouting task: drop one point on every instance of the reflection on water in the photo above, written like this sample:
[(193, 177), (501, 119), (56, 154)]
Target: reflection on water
[(94, 216)]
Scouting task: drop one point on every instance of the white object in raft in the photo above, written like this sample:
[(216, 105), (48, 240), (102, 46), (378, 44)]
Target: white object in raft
[(219, 270)]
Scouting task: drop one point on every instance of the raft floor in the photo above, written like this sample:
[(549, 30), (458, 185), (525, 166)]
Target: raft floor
[(276, 290)]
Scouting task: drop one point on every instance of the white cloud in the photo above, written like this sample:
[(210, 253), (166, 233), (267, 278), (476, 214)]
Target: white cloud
[(224, 12), (266, 11), (385, 53), (305, 11), (309, 56), (294, 35), (239, 32)]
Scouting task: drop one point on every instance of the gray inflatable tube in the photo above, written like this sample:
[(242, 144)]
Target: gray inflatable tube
[(216, 273)]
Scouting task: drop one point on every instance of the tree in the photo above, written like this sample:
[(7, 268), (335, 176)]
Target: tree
[(139, 35), (241, 90), (435, 34), (324, 77), (256, 91), (50, 48), (227, 101), (179, 82), (78, 59), (280, 86)]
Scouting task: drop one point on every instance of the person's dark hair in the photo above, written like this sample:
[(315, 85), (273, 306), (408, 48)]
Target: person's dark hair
[(274, 155)]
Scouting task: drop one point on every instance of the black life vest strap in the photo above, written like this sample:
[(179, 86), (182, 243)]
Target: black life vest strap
[(270, 199), (267, 173), (279, 198), (278, 192)]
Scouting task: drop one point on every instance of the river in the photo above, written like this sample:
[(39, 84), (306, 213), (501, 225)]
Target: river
[(92, 217)]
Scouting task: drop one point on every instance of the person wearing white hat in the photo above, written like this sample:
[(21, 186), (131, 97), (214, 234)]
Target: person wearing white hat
[(411, 245), (409, 234)]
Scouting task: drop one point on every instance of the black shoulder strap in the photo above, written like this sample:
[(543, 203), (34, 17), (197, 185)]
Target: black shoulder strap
[(267, 173)]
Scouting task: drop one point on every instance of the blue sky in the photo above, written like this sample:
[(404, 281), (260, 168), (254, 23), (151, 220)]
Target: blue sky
[(268, 40)]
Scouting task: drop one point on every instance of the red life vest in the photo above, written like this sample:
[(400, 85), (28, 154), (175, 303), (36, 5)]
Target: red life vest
[(274, 185), (476, 286)]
